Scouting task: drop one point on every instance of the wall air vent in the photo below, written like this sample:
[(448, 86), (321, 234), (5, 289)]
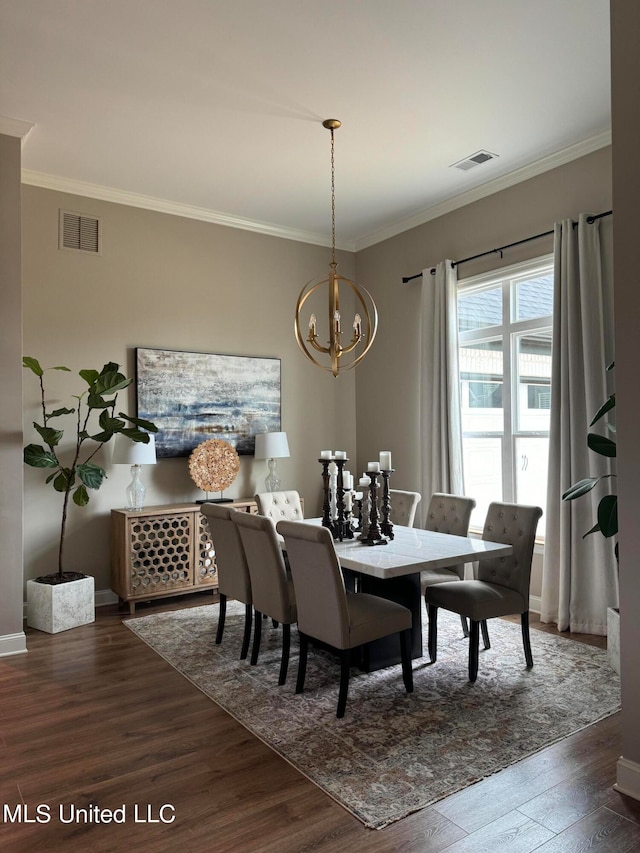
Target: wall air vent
[(476, 159), (79, 233)]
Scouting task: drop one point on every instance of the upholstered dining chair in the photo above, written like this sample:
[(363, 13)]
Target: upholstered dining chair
[(271, 587), (501, 586), (403, 506), (448, 514), (233, 572), (329, 613), (280, 506)]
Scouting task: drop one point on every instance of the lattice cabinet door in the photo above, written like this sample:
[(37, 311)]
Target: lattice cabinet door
[(206, 571)]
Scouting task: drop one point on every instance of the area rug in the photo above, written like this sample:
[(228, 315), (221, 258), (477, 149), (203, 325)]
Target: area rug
[(393, 754)]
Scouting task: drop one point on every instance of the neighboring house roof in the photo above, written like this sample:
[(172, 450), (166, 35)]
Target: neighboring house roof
[(484, 308)]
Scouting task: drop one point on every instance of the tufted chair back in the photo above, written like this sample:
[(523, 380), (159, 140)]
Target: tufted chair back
[(515, 525), (450, 514), (233, 572), (403, 506), (280, 506)]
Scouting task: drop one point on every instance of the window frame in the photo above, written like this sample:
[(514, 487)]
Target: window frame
[(509, 331)]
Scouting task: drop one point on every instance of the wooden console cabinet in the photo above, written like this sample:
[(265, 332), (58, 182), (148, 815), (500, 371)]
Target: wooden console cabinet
[(163, 551)]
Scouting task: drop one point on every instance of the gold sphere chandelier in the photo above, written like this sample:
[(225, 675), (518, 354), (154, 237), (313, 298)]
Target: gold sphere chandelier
[(364, 330)]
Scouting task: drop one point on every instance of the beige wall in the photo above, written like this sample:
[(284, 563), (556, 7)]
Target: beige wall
[(625, 32), (11, 632), (174, 283), (388, 380)]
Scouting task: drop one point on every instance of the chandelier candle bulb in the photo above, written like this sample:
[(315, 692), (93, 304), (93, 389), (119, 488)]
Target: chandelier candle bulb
[(312, 325), (385, 460)]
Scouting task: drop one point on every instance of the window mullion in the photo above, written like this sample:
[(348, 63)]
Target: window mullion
[(507, 441)]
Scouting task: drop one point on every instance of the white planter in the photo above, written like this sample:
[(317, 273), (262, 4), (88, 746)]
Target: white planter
[(613, 638), (58, 607)]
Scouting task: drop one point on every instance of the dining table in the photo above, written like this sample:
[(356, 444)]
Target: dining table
[(392, 570)]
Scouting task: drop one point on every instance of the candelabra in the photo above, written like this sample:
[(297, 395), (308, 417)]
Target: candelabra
[(373, 535), (386, 526), (336, 512)]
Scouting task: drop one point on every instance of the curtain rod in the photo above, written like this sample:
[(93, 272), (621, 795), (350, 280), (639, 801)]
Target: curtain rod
[(500, 249)]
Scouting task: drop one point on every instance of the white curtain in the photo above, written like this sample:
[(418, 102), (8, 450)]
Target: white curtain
[(579, 575), (440, 426)]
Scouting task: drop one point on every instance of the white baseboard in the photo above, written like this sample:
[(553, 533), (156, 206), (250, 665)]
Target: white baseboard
[(628, 778), (13, 644), (535, 604)]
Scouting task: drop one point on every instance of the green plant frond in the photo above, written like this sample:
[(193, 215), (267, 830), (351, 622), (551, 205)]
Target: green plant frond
[(32, 364), (109, 423), (608, 515), (64, 480), (604, 408), (92, 475), (57, 412), (110, 382), (81, 496), (89, 376), (49, 435), (601, 444), (580, 488), (149, 426), (36, 456)]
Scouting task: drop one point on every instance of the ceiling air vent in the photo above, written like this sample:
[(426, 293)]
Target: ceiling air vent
[(79, 233), (476, 159)]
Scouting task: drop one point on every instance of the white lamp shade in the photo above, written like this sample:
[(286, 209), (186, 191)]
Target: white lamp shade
[(271, 445), (128, 452)]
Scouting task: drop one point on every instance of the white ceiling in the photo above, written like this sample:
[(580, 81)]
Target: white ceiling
[(213, 108)]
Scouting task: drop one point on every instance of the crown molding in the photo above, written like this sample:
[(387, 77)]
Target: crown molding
[(545, 164), (159, 205), (15, 127)]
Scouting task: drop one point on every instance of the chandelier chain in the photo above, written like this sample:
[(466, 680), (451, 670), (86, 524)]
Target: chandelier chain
[(333, 201)]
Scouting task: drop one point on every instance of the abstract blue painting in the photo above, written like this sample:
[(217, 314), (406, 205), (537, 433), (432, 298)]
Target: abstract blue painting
[(194, 396)]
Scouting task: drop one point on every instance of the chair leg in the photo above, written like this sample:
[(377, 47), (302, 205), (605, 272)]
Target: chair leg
[(485, 634), (248, 616), (526, 639), (223, 613), (432, 641), (302, 662), (284, 662), (345, 664), (465, 626), (474, 642), (405, 656), (257, 637)]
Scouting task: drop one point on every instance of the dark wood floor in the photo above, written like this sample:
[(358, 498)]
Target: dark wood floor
[(92, 717)]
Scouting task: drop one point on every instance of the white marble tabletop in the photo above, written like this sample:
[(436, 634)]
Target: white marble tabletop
[(411, 550)]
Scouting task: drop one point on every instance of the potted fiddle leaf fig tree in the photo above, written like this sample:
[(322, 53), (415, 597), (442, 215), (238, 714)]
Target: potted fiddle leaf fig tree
[(65, 599), (607, 512)]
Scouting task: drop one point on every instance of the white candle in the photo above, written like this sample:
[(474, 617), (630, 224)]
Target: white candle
[(348, 501), (340, 454), (364, 482), (358, 496), (325, 454), (333, 468), (385, 460), (373, 466), (347, 480)]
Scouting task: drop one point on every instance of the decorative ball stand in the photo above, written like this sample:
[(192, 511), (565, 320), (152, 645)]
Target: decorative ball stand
[(342, 526)]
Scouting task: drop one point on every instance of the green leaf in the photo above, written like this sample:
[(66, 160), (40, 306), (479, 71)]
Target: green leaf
[(604, 408), (63, 481), (50, 477), (109, 423), (95, 401), (149, 426), (92, 475), (102, 437), (594, 529), (33, 364), (81, 496), (57, 412), (580, 488), (36, 456), (111, 381), (600, 444), (49, 436), (89, 376), (608, 515)]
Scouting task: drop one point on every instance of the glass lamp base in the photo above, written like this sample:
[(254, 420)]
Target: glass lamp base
[(135, 490), (272, 482)]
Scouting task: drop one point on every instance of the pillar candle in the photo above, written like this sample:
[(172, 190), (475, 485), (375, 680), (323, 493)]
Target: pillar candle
[(373, 466), (340, 454), (325, 454), (385, 460), (364, 482)]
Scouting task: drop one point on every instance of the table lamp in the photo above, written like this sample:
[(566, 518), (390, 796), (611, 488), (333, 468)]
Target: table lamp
[(136, 454), (272, 446)]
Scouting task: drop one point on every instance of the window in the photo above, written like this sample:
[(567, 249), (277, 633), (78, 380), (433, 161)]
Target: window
[(504, 323)]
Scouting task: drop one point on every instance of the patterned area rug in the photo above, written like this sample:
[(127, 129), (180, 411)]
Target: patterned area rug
[(393, 754)]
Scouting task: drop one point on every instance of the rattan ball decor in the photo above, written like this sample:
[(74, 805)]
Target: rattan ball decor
[(214, 465)]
